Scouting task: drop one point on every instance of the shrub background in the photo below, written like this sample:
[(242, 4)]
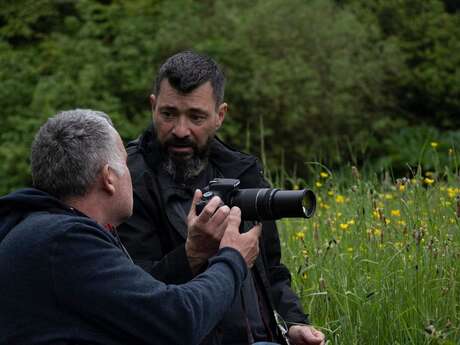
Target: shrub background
[(340, 82)]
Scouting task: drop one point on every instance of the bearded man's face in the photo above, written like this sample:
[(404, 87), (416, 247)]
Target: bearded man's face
[(185, 124)]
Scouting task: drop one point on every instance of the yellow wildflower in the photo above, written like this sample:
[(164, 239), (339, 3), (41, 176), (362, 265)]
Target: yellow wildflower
[(300, 235), (401, 222), (452, 192), (350, 249), (429, 174), (402, 188), (344, 226), (323, 174), (396, 213), (387, 221), (428, 181), (388, 196), (434, 144), (323, 205), (318, 184), (351, 222), (330, 193), (340, 199)]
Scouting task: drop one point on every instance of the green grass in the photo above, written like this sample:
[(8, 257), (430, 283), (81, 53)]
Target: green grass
[(379, 263)]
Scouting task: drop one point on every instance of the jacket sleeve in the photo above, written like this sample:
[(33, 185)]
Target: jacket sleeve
[(147, 244), (94, 278), (285, 301)]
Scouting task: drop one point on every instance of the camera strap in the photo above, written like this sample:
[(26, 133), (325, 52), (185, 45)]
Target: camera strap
[(264, 313), (248, 326), (282, 326)]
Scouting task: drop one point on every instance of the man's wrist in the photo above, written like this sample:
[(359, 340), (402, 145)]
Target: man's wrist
[(196, 263), (196, 258)]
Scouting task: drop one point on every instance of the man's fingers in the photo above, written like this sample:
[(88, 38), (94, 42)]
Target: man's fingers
[(234, 219), (313, 336), (196, 198), (209, 210), (220, 217), (253, 235)]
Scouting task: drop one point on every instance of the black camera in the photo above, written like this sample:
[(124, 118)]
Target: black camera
[(260, 203)]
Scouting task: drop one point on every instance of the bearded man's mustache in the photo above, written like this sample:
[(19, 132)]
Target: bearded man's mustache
[(181, 142)]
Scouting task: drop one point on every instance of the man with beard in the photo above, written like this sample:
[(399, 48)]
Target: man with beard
[(173, 157)]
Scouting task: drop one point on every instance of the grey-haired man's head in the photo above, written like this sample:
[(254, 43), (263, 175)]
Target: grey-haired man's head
[(70, 150)]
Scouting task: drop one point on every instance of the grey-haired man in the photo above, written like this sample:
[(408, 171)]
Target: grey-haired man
[(66, 278)]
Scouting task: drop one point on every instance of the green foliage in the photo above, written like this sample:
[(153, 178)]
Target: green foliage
[(307, 80), (336, 82), (429, 37), (316, 79), (420, 147), (79, 58)]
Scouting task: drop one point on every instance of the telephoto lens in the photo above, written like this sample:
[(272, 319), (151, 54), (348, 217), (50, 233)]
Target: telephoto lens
[(272, 204)]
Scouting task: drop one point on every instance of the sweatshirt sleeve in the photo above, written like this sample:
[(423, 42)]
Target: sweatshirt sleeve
[(93, 277)]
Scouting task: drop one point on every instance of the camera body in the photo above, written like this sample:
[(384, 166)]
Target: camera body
[(260, 203)]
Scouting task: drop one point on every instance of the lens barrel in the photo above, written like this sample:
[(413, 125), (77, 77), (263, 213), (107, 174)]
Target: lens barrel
[(272, 203)]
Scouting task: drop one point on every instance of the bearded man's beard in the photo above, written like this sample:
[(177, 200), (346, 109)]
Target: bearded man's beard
[(184, 167)]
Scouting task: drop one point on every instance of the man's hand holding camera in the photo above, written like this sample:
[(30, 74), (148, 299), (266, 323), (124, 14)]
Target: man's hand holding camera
[(216, 227), (247, 243)]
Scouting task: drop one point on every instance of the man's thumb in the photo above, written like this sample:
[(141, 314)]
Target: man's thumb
[(196, 198), (234, 219), (256, 230)]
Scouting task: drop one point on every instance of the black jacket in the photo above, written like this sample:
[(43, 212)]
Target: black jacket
[(159, 247), (65, 280)]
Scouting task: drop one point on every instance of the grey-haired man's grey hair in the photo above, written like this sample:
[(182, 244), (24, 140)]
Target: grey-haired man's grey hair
[(70, 150)]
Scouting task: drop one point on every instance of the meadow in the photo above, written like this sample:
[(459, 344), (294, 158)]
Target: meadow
[(378, 262)]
